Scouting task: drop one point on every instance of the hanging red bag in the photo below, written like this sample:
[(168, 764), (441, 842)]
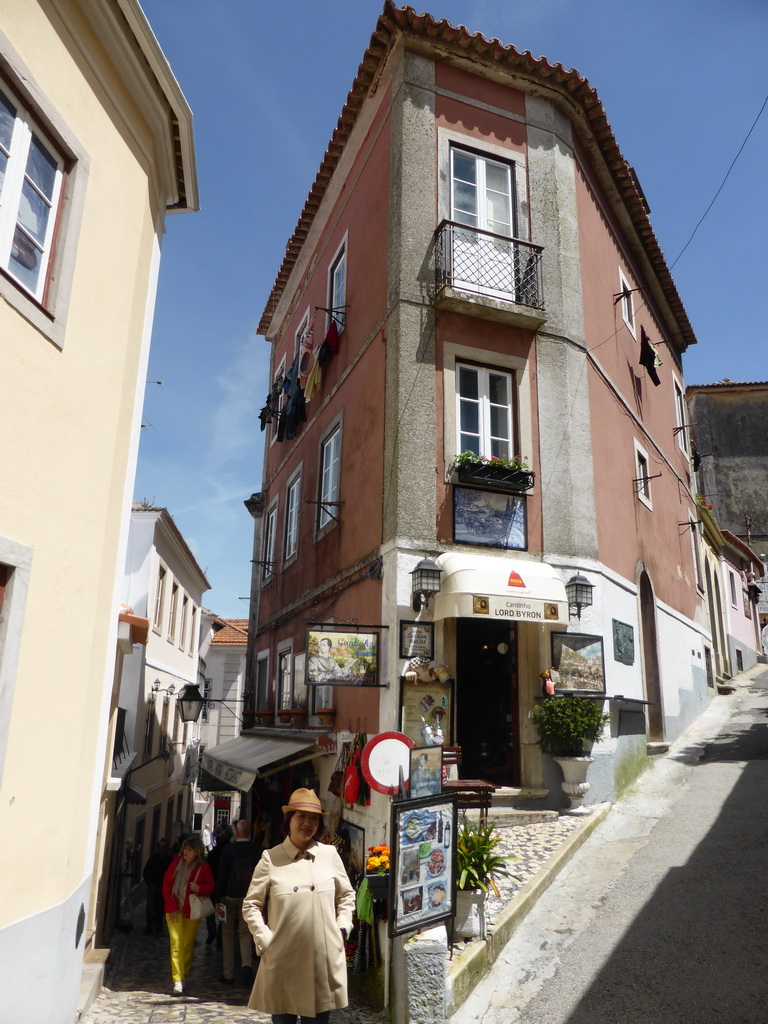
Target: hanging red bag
[(352, 779)]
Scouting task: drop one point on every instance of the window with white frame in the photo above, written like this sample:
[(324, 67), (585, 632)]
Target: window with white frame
[(694, 531), (330, 460), (484, 257), (268, 563), (285, 678), (337, 288), (627, 303), (173, 612), (732, 582), (292, 503), (301, 331), (31, 174), (484, 411), (15, 572), (157, 618), (192, 624), (184, 622), (681, 421), (482, 192), (642, 476)]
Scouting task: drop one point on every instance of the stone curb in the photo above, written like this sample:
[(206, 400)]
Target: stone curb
[(474, 962)]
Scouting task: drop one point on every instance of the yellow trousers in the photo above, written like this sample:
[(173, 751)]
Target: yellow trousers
[(182, 933)]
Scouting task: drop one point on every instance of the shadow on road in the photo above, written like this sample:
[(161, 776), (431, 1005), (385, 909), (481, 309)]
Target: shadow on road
[(697, 952)]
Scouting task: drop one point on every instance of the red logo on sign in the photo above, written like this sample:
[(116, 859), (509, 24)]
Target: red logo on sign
[(515, 580)]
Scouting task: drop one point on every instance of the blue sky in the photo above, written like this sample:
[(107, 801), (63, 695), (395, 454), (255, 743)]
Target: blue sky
[(681, 81)]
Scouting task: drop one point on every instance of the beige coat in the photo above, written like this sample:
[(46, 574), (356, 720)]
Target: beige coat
[(307, 899)]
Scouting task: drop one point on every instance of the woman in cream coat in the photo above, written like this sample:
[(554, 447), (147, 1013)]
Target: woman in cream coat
[(299, 908)]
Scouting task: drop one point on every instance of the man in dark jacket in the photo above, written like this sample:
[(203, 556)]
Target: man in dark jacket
[(223, 835), (153, 874), (235, 871)]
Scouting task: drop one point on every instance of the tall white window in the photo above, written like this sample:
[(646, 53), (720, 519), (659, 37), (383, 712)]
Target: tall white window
[(481, 192), (337, 287), (270, 527), (484, 419), (483, 257), (292, 500), (184, 622), (680, 418), (173, 612), (157, 619), (31, 174), (627, 302), (330, 458)]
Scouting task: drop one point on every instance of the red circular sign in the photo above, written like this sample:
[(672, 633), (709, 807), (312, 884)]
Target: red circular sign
[(383, 757)]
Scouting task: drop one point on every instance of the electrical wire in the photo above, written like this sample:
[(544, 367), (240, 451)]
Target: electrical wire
[(722, 183)]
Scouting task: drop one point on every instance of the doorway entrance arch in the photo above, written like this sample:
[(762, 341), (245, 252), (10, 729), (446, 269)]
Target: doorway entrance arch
[(650, 654)]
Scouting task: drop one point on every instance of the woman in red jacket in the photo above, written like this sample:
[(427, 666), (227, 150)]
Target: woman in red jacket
[(187, 873)]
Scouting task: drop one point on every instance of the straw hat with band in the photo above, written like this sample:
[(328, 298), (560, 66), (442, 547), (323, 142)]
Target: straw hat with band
[(303, 800)]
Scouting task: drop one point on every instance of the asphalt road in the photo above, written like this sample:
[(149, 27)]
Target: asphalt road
[(662, 916)]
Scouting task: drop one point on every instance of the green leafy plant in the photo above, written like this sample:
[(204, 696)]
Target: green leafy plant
[(568, 726), (470, 458), (477, 861)]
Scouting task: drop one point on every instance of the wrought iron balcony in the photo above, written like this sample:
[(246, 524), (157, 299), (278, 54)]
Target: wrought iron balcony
[(490, 265)]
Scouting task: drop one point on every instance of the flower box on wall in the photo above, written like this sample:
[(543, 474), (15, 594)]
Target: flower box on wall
[(497, 478)]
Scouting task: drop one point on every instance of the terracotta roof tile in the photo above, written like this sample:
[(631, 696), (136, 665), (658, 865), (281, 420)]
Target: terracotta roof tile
[(405, 20), (232, 632)]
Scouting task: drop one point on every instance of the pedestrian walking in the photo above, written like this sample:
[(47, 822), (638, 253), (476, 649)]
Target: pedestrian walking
[(222, 839), (188, 873), (235, 872), (299, 907), (208, 840), (153, 875)]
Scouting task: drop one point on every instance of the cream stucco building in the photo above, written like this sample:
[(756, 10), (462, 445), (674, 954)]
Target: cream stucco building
[(95, 149)]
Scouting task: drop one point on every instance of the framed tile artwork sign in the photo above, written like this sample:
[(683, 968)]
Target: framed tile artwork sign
[(495, 520), (578, 659)]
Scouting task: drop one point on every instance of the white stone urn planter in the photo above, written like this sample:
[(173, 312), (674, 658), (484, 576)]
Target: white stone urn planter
[(575, 785), (469, 922)]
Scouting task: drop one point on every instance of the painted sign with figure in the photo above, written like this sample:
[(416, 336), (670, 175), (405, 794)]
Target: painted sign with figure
[(340, 656)]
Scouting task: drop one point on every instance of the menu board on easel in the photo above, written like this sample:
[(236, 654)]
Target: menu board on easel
[(423, 862), (423, 704)]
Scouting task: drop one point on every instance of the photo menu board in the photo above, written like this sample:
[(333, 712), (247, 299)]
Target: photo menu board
[(423, 863)]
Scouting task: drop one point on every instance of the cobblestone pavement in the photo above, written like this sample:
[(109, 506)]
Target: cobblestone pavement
[(138, 982)]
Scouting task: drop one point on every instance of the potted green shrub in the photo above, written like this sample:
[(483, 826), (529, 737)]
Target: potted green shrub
[(567, 727), (478, 865)]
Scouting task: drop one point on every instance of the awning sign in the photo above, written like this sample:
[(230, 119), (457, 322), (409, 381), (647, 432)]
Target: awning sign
[(517, 608), (239, 778)]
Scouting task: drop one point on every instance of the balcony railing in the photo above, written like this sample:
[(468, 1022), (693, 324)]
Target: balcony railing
[(488, 264)]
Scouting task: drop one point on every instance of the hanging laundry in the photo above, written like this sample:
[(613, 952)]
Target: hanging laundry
[(313, 381), (332, 337), (649, 357), (295, 412), (305, 355)]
